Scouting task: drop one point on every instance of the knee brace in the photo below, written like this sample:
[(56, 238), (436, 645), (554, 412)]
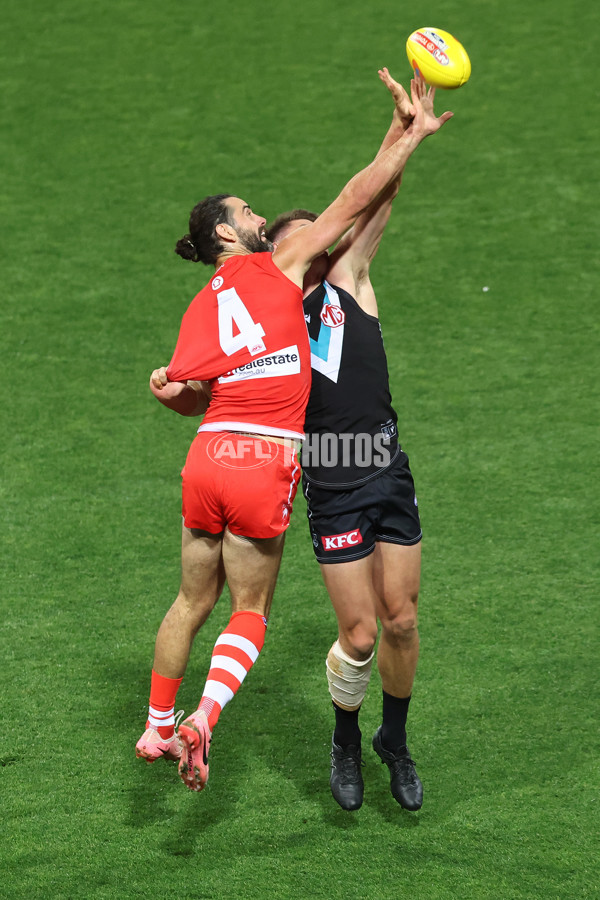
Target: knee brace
[(348, 678)]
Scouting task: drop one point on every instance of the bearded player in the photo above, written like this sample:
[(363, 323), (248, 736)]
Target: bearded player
[(243, 356)]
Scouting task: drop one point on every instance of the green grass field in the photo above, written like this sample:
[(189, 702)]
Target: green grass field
[(117, 118)]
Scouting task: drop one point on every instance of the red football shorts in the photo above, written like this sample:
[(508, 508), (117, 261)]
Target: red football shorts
[(244, 482)]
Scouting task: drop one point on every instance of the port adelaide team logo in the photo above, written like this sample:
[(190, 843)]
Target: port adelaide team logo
[(332, 316)]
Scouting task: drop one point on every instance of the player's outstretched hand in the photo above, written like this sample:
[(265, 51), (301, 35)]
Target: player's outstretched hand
[(404, 107), (425, 121)]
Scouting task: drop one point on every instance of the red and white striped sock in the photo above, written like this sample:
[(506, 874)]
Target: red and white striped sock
[(161, 713), (234, 654)]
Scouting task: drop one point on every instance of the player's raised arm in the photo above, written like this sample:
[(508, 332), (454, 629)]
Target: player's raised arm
[(350, 261), (294, 255)]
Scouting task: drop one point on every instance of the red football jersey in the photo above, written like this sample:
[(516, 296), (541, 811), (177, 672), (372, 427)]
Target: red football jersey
[(245, 334)]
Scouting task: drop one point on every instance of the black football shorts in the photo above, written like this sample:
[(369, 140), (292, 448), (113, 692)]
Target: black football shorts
[(345, 525)]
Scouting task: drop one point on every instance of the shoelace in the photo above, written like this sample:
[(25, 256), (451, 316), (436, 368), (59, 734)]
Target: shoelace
[(178, 717), (403, 766), (346, 764)]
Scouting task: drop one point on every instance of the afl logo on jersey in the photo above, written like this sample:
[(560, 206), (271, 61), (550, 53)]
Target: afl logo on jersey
[(332, 316), (216, 283)]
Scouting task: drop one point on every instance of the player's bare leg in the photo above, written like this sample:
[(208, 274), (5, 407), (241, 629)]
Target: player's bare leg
[(202, 580), (251, 566), (397, 572), (350, 587), (352, 594)]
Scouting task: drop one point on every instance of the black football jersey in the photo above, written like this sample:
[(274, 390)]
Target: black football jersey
[(351, 426)]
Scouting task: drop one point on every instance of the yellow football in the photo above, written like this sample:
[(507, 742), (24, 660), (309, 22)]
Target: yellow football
[(440, 58)]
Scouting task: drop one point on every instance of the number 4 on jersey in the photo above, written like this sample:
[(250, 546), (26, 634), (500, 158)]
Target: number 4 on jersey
[(248, 332)]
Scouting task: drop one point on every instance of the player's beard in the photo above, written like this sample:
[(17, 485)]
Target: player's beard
[(253, 242)]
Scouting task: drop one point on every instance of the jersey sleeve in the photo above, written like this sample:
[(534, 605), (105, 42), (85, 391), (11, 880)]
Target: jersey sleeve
[(194, 358)]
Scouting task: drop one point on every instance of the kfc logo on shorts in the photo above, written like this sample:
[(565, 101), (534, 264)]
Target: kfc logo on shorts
[(339, 541), (332, 316), (216, 283)]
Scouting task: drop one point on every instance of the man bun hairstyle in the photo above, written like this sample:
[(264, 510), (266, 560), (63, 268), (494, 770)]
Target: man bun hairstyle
[(283, 219), (186, 248), (202, 244)]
